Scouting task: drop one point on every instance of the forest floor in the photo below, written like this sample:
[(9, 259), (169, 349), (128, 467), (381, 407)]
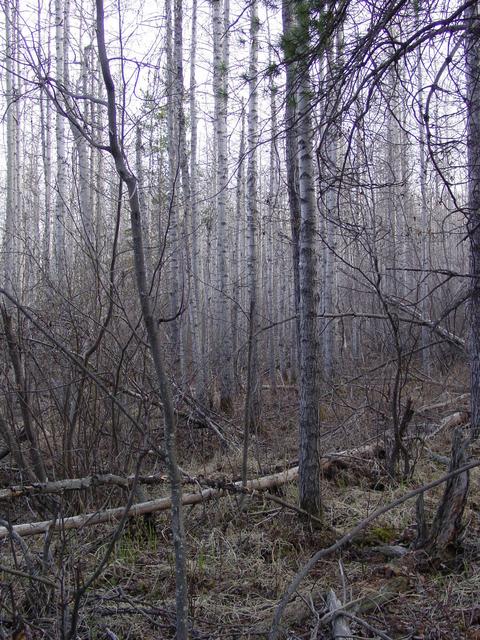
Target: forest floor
[(241, 559)]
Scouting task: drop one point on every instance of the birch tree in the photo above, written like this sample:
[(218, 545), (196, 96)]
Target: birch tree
[(220, 90), (12, 170), (61, 62), (253, 390)]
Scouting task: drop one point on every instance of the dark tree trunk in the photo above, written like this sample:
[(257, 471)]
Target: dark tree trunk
[(472, 72), (447, 524)]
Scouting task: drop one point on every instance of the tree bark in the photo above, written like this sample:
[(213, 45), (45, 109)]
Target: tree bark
[(472, 72), (220, 89), (61, 172), (447, 524), (309, 427), (252, 409), (291, 160)]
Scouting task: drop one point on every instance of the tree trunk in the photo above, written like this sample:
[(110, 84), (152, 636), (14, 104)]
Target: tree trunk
[(425, 226), (153, 338), (220, 89), (447, 524), (9, 234), (309, 450), (472, 72), (198, 336), (291, 160), (253, 386), (61, 175)]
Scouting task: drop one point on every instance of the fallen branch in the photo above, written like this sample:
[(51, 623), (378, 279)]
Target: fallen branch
[(23, 574), (464, 397), (329, 464), (77, 484), (152, 506), (297, 612), (431, 324), (366, 625)]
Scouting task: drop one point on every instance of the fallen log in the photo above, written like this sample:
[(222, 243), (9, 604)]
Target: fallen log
[(76, 484), (457, 419), (330, 464), (151, 506)]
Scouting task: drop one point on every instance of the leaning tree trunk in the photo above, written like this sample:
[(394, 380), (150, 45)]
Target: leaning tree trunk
[(130, 181)]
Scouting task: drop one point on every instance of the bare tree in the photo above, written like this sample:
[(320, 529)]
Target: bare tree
[(130, 182)]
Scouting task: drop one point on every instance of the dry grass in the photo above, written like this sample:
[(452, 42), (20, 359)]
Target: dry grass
[(240, 561)]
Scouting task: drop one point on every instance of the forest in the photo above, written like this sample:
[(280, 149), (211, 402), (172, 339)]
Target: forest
[(240, 319)]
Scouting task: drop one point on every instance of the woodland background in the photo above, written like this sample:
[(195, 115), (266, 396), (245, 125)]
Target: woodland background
[(240, 247)]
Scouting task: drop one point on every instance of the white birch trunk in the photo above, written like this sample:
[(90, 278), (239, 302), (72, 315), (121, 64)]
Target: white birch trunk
[(424, 217), (83, 163), (220, 89), (61, 172), (253, 384), (9, 243)]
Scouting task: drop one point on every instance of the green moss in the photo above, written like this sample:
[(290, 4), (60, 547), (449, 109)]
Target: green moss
[(380, 534)]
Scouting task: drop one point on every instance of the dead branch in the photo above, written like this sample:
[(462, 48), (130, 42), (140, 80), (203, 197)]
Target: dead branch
[(431, 324), (464, 397), (23, 574), (367, 626), (297, 612), (77, 484), (151, 506)]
